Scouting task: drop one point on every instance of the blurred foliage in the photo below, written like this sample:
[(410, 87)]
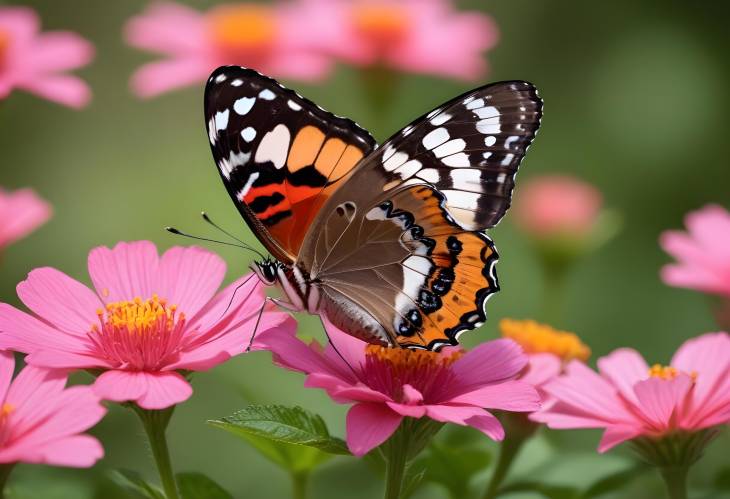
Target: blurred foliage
[(635, 102)]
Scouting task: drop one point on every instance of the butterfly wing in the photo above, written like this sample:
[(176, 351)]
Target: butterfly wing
[(280, 156), (404, 261)]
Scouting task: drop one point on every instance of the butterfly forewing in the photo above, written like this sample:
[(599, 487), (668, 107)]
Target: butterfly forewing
[(280, 156)]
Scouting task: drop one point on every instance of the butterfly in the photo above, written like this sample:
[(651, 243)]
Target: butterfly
[(386, 242)]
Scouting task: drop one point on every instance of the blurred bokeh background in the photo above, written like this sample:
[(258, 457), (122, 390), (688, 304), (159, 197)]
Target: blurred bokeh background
[(636, 100)]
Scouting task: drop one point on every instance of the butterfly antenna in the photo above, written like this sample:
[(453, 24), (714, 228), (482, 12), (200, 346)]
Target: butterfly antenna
[(256, 327), (233, 296), (334, 347), (177, 232), (227, 233)]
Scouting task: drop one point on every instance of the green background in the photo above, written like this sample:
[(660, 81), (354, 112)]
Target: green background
[(636, 101)]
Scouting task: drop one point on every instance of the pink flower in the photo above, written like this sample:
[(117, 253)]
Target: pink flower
[(21, 212), (702, 253), (557, 205), (150, 318), (272, 39), (629, 399), (418, 36), (388, 384), (35, 61), (41, 422)]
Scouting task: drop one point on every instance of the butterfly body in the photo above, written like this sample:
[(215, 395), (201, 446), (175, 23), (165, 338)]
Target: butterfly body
[(386, 242)]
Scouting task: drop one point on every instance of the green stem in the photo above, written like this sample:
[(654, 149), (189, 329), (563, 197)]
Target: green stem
[(508, 451), (155, 423), (5, 470), (299, 485), (553, 293), (675, 477), (395, 468)]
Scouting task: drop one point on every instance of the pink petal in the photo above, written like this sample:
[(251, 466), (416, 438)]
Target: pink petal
[(7, 368), (62, 301), (507, 396), (707, 356), (660, 400), (615, 435), (58, 359), (624, 368), (541, 368), (487, 424), (77, 451), (168, 28), (190, 277), (59, 51), (369, 425), (120, 386), (299, 66), (156, 78), (411, 411), (21, 22), (125, 272), (164, 390), (411, 396), (349, 347), (244, 296), (453, 413), (344, 393), (70, 91), (23, 211), (560, 415), (489, 362), (710, 227), (24, 333)]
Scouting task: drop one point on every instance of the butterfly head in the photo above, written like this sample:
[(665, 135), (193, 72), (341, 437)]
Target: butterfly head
[(267, 271)]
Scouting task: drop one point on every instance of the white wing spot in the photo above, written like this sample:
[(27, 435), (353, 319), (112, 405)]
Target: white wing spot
[(449, 148), (227, 165), (459, 160), (429, 175), (248, 133), (487, 112), (435, 138), (274, 146), (293, 105), (507, 159), (221, 120), (408, 169), (488, 127), (395, 161), (475, 104), (490, 140), (267, 94), (220, 78), (467, 179), (441, 119), (251, 179), (236, 82), (243, 105)]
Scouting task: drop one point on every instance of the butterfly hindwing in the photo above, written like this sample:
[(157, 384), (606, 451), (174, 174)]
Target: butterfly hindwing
[(279, 155)]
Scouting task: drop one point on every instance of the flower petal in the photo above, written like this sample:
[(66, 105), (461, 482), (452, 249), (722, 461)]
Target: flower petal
[(76, 451), (62, 301), (164, 390), (190, 277), (24, 333), (7, 368), (515, 395), (156, 78), (68, 90), (660, 400), (59, 51), (487, 424), (58, 359), (369, 425), (624, 368), (541, 368), (127, 271), (615, 435), (120, 386), (489, 362)]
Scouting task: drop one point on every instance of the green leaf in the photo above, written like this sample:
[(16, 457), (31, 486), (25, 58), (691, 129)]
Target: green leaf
[(614, 481), (545, 490), (291, 437), (132, 482), (198, 486)]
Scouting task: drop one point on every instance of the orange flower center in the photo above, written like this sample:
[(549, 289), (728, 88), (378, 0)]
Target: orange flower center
[(5, 411), (383, 24), (534, 337), (4, 45), (242, 31), (138, 334), (668, 372), (402, 360)]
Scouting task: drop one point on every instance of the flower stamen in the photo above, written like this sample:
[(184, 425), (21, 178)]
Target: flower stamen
[(5, 41), (383, 24), (534, 337), (242, 31), (668, 373)]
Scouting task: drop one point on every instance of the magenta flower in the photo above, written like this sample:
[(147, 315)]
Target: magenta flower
[(417, 36), (275, 40), (630, 399), (21, 212), (702, 253), (36, 62), (150, 318), (557, 205), (42, 422), (387, 384)]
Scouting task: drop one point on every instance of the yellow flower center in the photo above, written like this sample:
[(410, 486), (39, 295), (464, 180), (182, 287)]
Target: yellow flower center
[(534, 337), (4, 45), (242, 31), (6, 410), (384, 23), (668, 372), (405, 359), (140, 317)]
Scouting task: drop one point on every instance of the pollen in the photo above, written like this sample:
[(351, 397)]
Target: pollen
[(6, 409), (4, 46), (534, 337), (242, 30), (384, 24), (138, 333), (668, 372)]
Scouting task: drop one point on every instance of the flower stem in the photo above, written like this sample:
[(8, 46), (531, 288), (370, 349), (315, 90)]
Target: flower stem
[(299, 485), (395, 464), (155, 423), (508, 451), (675, 478), (5, 470)]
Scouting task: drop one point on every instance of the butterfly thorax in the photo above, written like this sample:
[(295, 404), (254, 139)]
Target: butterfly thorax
[(302, 292)]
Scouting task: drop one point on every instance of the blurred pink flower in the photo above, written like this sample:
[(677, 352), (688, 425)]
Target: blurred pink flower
[(41, 422), (388, 384), (35, 61), (419, 36), (150, 318), (273, 39), (702, 253), (557, 205), (629, 399), (21, 212)]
